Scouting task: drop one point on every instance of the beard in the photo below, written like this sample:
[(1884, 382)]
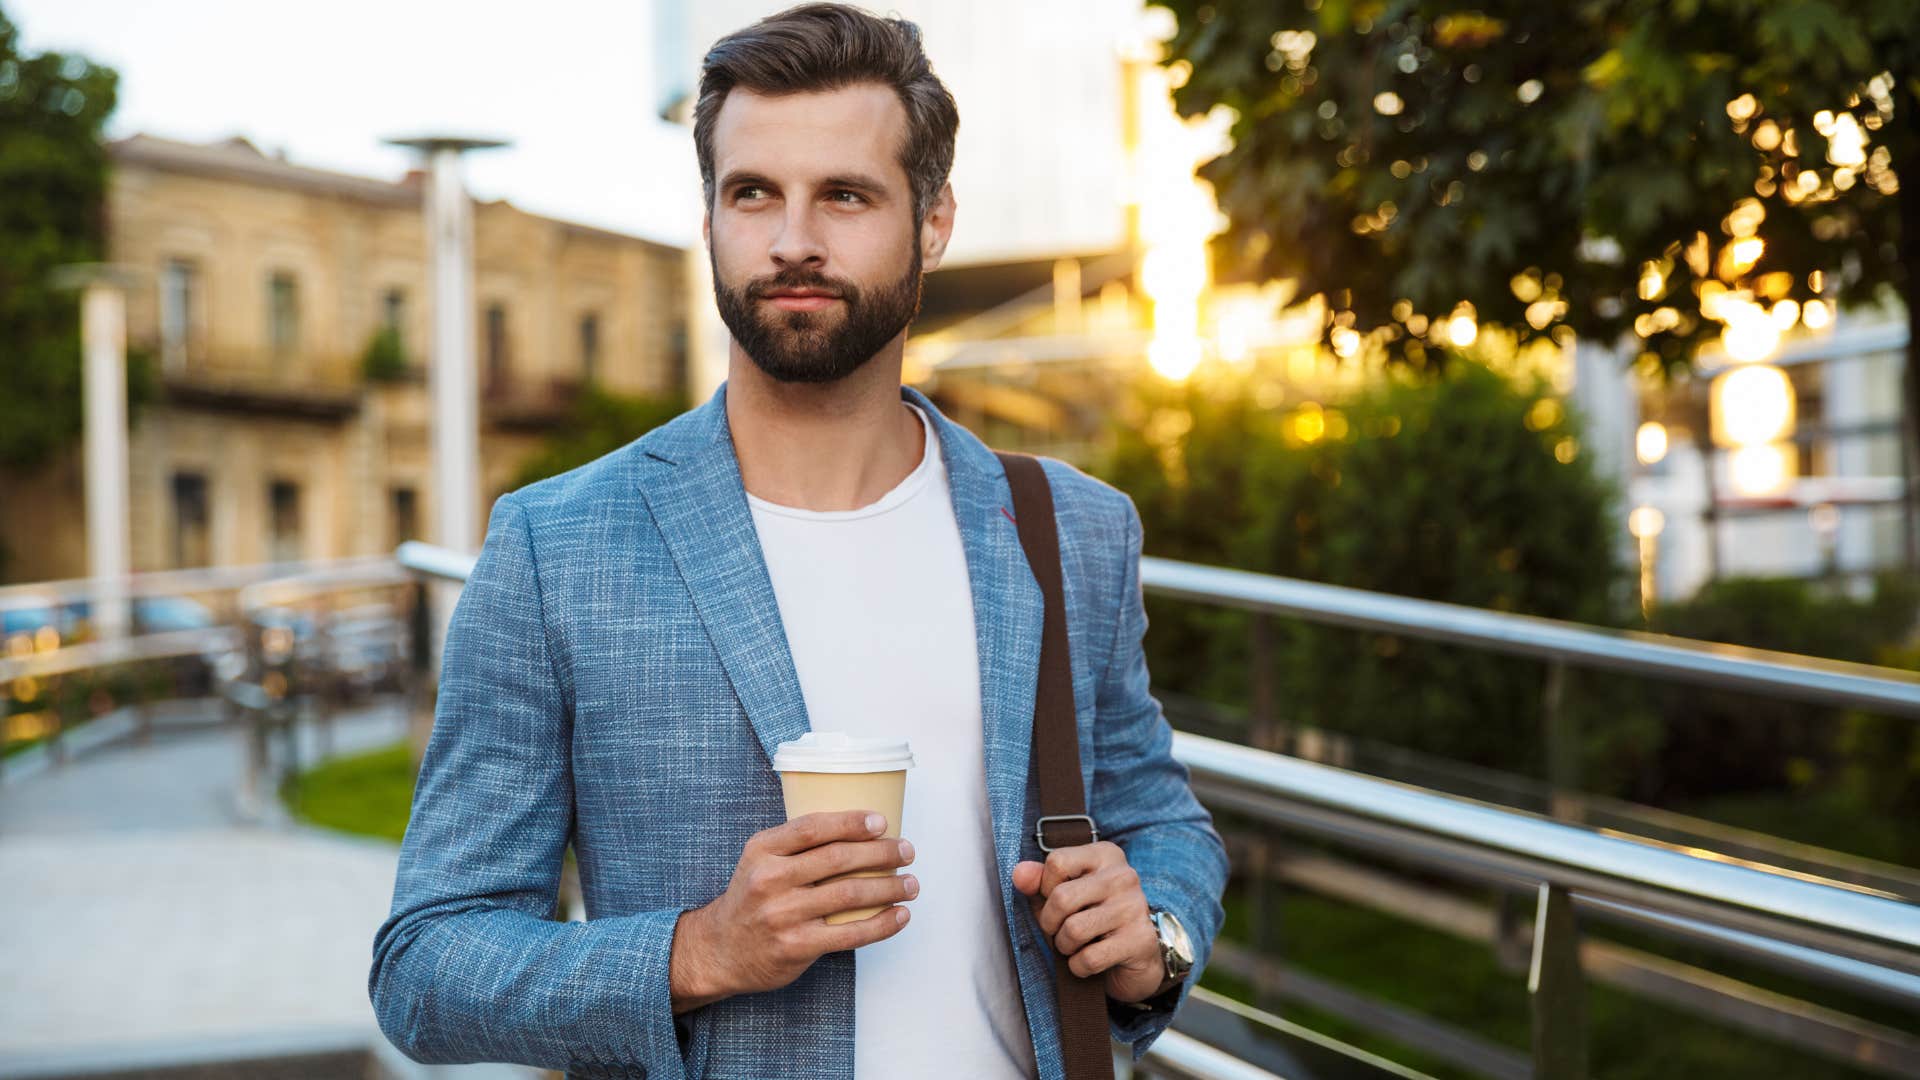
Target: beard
[(816, 346)]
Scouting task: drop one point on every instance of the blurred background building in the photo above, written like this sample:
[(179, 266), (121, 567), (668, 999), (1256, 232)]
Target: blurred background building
[(287, 308)]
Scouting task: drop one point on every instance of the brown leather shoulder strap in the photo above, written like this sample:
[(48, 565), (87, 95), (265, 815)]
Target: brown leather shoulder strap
[(1063, 819)]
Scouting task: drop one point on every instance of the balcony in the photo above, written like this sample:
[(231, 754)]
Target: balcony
[(519, 402), (256, 383)]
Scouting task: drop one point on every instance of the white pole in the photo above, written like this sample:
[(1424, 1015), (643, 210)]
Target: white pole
[(453, 383), (103, 333), (451, 378)]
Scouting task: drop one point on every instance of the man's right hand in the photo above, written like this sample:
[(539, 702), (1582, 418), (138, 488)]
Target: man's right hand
[(770, 924)]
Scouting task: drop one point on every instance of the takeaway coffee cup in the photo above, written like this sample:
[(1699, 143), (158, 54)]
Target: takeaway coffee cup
[(830, 770)]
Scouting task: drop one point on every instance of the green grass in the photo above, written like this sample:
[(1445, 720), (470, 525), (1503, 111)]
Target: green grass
[(1459, 982), (369, 794)]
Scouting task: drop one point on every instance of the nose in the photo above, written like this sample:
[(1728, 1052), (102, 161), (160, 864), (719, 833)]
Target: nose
[(799, 242)]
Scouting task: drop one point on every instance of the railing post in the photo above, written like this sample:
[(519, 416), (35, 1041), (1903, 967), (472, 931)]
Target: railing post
[(1263, 908), (326, 676), (1266, 734), (57, 715), (420, 692), (1557, 989), (1562, 739), (1511, 949)]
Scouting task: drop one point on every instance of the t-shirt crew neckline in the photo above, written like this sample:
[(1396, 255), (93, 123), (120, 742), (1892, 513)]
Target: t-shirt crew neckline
[(904, 490)]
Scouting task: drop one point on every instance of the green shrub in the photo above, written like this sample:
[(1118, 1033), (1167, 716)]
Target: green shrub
[(601, 422), (1468, 488), (385, 357), (1720, 743)]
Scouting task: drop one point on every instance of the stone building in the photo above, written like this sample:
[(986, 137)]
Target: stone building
[(265, 283)]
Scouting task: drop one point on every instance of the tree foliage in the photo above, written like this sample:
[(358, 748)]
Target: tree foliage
[(1589, 165), (601, 422), (1467, 488), (53, 180)]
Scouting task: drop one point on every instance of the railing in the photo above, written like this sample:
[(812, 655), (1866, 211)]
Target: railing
[(1845, 935), (1848, 936), (259, 673)]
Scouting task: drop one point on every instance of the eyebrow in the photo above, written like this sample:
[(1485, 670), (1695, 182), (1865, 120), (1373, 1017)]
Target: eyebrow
[(854, 181)]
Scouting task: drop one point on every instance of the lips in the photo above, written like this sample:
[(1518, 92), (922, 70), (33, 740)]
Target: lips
[(801, 299)]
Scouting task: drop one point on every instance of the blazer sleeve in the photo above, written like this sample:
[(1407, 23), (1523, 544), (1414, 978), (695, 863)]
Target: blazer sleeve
[(468, 966), (1141, 801)]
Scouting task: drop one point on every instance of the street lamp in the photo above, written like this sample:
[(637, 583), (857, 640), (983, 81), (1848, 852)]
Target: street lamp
[(450, 376), (450, 373), (103, 346)]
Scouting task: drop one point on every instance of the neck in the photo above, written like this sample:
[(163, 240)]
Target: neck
[(822, 446)]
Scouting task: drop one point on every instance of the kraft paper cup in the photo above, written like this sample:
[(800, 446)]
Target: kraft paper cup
[(830, 771)]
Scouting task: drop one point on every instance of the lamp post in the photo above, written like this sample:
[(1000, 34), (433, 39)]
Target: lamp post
[(103, 344), (451, 378)]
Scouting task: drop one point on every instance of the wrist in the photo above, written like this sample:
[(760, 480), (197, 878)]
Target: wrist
[(693, 977)]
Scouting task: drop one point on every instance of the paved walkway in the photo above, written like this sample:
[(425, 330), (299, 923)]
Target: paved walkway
[(144, 917)]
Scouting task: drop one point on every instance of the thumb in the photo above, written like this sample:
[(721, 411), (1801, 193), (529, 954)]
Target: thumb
[(1026, 876)]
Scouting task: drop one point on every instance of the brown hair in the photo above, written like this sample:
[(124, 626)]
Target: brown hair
[(817, 47)]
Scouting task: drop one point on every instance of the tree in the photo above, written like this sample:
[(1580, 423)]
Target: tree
[(600, 423), (1467, 488), (1667, 172), (53, 173)]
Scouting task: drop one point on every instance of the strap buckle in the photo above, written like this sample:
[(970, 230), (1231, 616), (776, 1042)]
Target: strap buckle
[(1040, 830)]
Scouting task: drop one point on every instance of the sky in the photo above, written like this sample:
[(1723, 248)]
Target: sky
[(571, 88)]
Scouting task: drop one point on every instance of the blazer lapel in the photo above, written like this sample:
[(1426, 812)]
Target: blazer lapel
[(1007, 616), (699, 503), (694, 491)]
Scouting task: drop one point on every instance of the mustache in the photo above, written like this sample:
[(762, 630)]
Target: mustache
[(800, 279)]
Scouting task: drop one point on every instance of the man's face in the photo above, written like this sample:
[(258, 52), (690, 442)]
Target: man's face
[(816, 260)]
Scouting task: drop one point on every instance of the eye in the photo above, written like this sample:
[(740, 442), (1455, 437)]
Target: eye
[(746, 192), (855, 196)]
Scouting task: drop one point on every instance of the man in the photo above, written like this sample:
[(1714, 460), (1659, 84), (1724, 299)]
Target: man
[(816, 547)]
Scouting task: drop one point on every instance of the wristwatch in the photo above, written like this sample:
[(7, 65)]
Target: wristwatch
[(1176, 948), (1176, 951)]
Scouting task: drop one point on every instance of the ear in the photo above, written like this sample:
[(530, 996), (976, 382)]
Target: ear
[(937, 229), (706, 229)]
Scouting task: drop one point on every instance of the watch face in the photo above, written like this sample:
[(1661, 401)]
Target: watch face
[(1175, 943)]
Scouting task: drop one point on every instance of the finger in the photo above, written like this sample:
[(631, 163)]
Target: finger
[(846, 856), (1083, 927), (849, 894), (1026, 876), (1071, 862), (812, 830), (1069, 898), (1096, 958), (860, 932)]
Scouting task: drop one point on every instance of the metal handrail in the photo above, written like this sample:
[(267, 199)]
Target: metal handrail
[(165, 645), (1730, 667), (171, 582), (435, 561), (1830, 916)]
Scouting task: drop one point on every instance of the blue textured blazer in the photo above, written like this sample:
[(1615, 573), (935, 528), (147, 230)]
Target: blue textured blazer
[(616, 678)]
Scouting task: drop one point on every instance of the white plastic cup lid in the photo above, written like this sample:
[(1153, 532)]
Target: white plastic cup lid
[(838, 752)]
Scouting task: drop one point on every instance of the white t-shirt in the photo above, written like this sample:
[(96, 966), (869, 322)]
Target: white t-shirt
[(878, 612)]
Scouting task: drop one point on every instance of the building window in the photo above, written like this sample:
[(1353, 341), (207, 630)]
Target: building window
[(283, 313), (393, 311), (406, 515), (179, 301), (283, 521), (590, 346), (496, 343), (192, 545)]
